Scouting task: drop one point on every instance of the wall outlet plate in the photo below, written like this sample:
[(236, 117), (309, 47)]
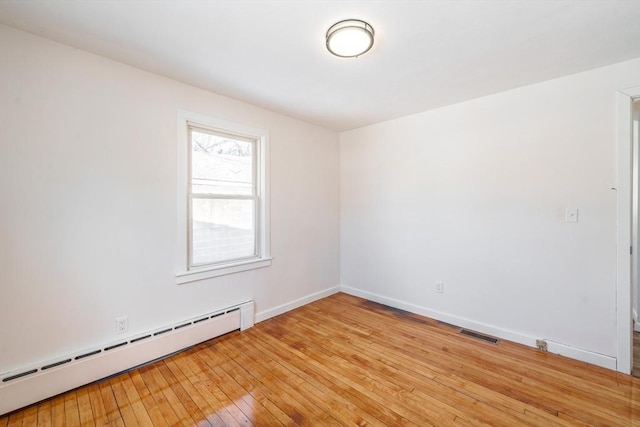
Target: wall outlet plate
[(439, 287), (122, 324)]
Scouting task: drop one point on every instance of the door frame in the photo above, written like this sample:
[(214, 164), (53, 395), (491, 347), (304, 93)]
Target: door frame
[(624, 134)]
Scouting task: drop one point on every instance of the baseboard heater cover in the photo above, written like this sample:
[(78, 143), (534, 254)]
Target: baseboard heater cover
[(32, 384)]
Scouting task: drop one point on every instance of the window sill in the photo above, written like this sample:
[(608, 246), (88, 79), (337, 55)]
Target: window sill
[(221, 270)]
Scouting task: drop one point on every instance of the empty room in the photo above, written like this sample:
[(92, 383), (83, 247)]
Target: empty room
[(319, 213)]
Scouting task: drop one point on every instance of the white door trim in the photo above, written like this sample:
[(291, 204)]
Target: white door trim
[(623, 269)]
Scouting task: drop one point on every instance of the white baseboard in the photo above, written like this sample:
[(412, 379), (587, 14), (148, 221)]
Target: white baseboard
[(602, 360), (597, 359), (275, 311)]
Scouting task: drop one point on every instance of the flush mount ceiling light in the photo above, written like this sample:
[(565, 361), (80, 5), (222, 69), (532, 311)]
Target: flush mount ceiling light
[(349, 38)]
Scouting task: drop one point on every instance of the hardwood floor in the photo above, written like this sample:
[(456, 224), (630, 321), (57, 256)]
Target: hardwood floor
[(347, 361)]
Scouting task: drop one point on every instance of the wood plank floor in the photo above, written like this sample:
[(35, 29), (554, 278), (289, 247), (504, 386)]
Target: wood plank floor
[(346, 361)]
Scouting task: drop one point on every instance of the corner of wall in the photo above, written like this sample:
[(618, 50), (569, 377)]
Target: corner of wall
[(292, 305)]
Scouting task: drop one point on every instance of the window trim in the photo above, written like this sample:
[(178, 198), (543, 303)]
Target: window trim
[(184, 273)]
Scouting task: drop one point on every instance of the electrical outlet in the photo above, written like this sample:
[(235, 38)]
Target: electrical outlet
[(122, 324), (439, 287)]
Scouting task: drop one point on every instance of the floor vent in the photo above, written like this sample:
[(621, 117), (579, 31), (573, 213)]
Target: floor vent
[(479, 336), (34, 383)]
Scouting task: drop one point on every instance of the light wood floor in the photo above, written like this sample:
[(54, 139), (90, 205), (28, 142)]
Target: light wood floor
[(346, 361)]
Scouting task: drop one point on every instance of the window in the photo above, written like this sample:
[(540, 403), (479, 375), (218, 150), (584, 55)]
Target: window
[(222, 188)]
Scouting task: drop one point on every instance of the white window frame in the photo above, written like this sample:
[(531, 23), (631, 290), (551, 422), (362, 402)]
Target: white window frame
[(185, 273)]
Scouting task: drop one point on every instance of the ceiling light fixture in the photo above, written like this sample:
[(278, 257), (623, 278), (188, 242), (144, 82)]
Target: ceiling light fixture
[(350, 38)]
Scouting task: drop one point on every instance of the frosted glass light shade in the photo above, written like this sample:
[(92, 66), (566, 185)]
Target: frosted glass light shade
[(350, 38)]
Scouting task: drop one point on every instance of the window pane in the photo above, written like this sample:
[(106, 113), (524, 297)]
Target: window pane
[(222, 230), (221, 165)]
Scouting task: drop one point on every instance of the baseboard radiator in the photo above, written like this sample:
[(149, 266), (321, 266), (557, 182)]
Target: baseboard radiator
[(32, 384)]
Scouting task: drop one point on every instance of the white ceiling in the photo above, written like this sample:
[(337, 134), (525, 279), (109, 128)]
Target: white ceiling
[(427, 54)]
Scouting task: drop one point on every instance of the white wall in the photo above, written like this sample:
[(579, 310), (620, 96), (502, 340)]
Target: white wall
[(474, 195), (88, 203)]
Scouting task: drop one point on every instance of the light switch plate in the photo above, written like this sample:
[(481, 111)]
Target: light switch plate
[(571, 215)]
